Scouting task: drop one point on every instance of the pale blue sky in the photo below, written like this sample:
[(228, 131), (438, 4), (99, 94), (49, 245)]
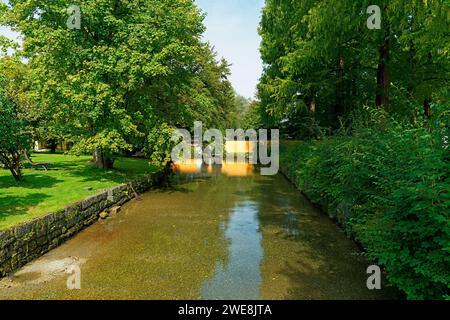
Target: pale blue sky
[(232, 29), (5, 31)]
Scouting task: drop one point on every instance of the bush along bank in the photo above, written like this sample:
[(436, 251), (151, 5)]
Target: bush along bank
[(388, 185)]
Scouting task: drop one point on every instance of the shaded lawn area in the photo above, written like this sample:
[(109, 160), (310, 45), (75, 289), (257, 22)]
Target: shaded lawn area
[(69, 179)]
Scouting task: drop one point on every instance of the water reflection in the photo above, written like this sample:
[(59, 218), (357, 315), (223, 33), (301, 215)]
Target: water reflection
[(198, 168), (240, 278), (217, 232), (190, 166), (237, 147), (291, 224), (237, 169)]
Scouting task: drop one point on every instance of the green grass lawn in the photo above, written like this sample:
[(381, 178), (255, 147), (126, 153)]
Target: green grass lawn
[(69, 179)]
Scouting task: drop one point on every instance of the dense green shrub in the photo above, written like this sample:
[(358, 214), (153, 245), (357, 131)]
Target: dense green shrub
[(160, 144), (15, 134), (394, 181)]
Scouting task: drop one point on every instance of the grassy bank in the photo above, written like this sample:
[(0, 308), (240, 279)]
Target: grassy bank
[(390, 188), (69, 179)]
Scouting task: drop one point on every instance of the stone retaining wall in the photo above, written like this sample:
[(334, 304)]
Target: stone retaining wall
[(28, 241)]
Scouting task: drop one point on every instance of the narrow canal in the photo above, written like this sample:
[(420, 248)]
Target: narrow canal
[(221, 233)]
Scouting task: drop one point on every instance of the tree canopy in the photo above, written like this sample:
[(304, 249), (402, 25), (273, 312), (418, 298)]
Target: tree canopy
[(371, 106), (130, 66), (15, 116), (322, 61)]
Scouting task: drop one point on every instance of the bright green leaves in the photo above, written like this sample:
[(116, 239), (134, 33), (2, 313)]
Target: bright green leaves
[(15, 133), (394, 179), (160, 144), (108, 140), (130, 63), (321, 52)]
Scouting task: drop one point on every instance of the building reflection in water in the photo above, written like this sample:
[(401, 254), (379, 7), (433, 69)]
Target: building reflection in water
[(235, 168), (197, 167)]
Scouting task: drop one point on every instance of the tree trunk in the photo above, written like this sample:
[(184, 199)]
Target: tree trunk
[(17, 174), (102, 160), (339, 109), (53, 144), (312, 106), (14, 166), (427, 108), (383, 79)]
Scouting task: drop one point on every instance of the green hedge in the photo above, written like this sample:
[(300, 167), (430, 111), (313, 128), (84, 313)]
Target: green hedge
[(393, 182)]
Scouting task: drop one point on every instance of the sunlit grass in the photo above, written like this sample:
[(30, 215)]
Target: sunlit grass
[(69, 179)]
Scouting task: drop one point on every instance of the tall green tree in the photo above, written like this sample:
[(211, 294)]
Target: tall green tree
[(322, 61), (210, 96), (116, 75), (15, 116)]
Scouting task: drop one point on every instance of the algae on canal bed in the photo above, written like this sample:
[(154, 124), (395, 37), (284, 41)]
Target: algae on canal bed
[(208, 236)]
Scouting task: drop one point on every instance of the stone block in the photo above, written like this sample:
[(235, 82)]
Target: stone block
[(89, 201)]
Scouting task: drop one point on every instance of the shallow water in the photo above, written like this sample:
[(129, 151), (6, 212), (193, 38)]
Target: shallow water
[(213, 234)]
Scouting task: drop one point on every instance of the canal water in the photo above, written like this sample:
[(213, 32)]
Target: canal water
[(212, 233)]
